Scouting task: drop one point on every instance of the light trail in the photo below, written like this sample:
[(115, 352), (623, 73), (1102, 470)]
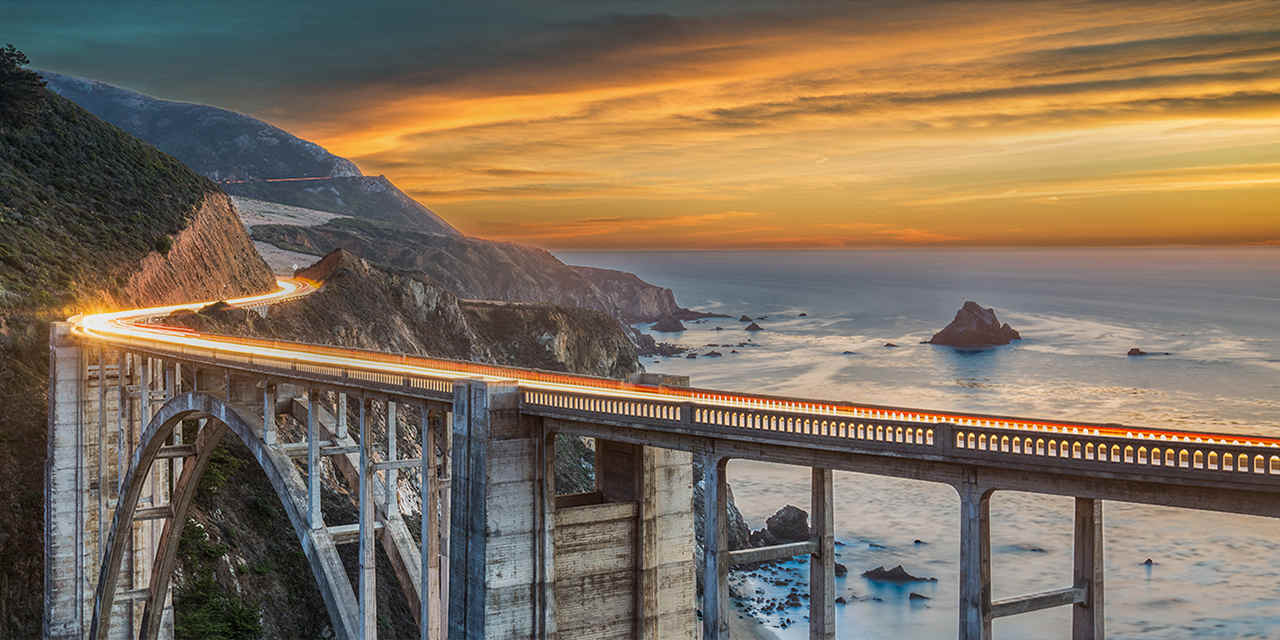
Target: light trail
[(130, 326)]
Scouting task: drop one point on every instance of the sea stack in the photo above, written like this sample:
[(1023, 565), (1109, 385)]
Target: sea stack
[(668, 324), (975, 327)]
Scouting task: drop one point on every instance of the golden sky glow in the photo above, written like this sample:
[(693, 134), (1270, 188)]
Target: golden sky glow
[(1013, 124), (814, 124)]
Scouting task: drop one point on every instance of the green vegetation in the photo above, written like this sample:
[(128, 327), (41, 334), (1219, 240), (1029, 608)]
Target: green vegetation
[(208, 610), (80, 201), (21, 90)]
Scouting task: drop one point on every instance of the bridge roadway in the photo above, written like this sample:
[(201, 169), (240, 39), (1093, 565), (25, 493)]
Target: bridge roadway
[(976, 454)]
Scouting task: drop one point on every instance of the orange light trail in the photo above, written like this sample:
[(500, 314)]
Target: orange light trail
[(128, 327)]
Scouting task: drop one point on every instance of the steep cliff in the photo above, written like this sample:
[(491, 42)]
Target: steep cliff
[(90, 217), (416, 316), (635, 299)]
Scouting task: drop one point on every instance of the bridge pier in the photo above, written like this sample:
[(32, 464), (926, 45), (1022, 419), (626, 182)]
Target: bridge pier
[(1084, 596)]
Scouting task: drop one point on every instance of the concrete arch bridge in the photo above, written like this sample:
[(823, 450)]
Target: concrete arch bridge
[(137, 408)]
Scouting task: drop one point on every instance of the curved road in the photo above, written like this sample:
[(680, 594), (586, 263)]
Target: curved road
[(130, 327)]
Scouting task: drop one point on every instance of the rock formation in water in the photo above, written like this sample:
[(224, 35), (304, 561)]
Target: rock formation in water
[(754, 327), (788, 524), (975, 327), (668, 325), (896, 574)]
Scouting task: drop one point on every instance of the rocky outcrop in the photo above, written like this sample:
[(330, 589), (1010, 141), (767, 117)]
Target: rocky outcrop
[(735, 524), (212, 258), (417, 316), (482, 269), (896, 574), (668, 325), (754, 327), (975, 327), (788, 524), (635, 299)]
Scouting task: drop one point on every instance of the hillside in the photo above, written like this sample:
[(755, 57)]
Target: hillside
[(482, 269), (217, 143), (89, 217), (230, 147), (417, 316), (371, 198)]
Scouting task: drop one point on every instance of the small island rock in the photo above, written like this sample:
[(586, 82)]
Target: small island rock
[(788, 524), (975, 327), (896, 574), (668, 324), (744, 318), (754, 327)]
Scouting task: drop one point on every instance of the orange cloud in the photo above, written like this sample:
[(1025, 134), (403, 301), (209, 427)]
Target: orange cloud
[(996, 123)]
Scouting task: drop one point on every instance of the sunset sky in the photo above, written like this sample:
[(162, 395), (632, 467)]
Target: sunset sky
[(620, 124)]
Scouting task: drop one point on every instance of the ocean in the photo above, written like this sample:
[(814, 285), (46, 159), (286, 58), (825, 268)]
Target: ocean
[(1216, 312)]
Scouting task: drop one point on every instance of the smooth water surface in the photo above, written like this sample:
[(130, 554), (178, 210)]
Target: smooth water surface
[(1216, 311)]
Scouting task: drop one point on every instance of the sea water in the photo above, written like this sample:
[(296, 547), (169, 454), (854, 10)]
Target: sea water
[(1215, 311)]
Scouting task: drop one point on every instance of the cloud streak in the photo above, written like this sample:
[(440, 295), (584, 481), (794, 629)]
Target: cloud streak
[(877, 123)]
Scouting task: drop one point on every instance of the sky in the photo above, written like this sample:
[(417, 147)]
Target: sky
[(616, 124)]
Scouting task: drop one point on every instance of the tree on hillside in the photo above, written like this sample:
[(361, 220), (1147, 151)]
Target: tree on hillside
[(21, 90)]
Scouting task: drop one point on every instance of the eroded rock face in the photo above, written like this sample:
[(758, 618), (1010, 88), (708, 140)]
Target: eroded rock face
[(975, 327), (211, 258), (788, 524), (416, 316)]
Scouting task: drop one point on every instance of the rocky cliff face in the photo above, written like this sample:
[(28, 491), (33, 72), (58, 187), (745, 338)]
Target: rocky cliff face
[(211, 259), (416, 316), (474, 268), (635, 299)]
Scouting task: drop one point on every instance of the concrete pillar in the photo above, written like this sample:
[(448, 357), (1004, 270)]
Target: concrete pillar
[(315, 514), (391, 493), (975, 561), (1087, 619), (63, 494), (498, 492), (368, 593), (430, 546), (822, 565), (666, 581), (715, 549)]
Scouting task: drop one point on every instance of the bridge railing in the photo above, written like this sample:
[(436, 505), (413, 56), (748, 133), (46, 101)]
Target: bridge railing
[(1111, 448), (1139, 454)]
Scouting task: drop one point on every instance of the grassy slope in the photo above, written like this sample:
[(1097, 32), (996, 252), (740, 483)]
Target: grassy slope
[(75, 193), (80, 203)]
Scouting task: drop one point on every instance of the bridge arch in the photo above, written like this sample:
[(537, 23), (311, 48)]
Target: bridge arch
[(317, 544)]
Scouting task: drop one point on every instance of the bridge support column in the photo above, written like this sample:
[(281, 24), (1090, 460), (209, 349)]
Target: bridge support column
[(498, 562), (64, 586), (1087, 619), (715, 549), (975, 561), (822, 563)]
